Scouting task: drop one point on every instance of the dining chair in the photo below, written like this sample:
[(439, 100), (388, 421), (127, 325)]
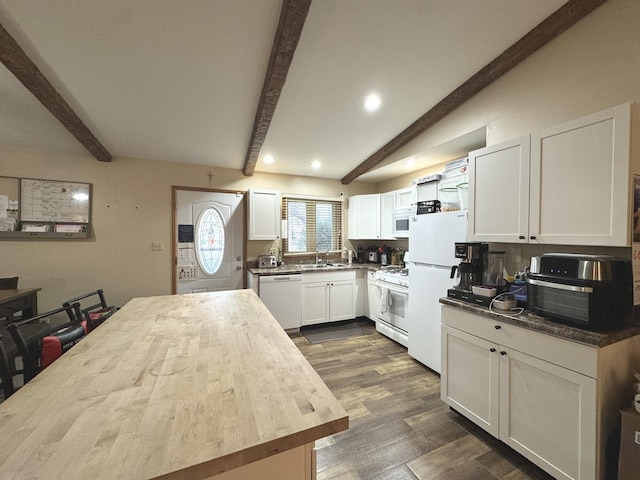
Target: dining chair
[(6, 372), (8, 283), (40, 343), (96, 313)]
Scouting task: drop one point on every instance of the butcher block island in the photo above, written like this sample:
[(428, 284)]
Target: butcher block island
[(193, 386)]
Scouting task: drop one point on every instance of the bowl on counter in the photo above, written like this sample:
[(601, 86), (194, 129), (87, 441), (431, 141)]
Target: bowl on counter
[(484, 291)]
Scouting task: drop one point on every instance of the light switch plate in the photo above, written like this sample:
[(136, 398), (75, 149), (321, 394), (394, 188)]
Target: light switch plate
[(156, 246), (638, 438)]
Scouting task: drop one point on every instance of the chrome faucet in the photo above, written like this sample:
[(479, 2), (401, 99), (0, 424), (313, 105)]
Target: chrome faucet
[(318, 253)]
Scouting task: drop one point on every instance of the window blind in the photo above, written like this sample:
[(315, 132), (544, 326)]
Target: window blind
[(312, 225)]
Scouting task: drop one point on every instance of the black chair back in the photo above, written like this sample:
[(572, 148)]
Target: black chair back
[(96, 313), (33, 338), (6, 372)]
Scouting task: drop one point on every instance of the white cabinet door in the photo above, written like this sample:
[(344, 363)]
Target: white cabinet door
[(342, 300), (580, 181), (499, 192), (387, 205), (364, 217), (548, 414), (315, 303), (470, 377), (370, 217), (405, 197), (570, 184), (373, 298), (328, 296), (264, 214)]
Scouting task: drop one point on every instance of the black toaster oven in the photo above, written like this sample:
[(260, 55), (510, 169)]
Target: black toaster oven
[(594, 292)]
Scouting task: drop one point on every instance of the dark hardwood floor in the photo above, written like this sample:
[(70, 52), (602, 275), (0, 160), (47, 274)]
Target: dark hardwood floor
[(399, 427)]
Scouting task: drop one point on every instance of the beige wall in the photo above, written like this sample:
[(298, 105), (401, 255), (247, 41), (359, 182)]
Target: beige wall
[(590, 67), (131, 208)]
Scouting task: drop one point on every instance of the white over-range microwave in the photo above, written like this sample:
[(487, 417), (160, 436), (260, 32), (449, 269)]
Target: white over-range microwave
[(401, 217)]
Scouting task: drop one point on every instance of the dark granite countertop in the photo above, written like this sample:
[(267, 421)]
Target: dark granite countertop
[(308, 268), (540, 324)]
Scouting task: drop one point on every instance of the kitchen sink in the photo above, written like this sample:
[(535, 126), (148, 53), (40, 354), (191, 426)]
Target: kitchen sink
[(313, 266)]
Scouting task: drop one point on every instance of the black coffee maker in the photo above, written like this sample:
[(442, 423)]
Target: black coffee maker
[(471, 265)]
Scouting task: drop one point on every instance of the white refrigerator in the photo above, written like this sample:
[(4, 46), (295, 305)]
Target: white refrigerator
[(431, 246)]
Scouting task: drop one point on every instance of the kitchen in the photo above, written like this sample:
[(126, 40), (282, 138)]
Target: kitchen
[(132, 206), (552, 378)]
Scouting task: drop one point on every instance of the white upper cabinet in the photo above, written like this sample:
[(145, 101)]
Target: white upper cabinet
[(405, 197), (371, 216), (571, 184), (387, 205), (499, 192), (581, 181), (264, 214), (364, 217)]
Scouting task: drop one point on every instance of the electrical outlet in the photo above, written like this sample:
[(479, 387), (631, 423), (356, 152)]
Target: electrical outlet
[(157, 246)]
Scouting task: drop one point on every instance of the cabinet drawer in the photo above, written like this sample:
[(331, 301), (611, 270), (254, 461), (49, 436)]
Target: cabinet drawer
[(564, 353), (333, 276)]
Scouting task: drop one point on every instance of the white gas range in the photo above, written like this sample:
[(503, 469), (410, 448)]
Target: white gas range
[(394, 276), (388, 302)]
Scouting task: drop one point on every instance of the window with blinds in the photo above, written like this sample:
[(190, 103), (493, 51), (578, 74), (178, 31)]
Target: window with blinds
[(312, 225)]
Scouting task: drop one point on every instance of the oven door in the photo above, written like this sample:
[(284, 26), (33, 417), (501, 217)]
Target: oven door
[(392, 306)]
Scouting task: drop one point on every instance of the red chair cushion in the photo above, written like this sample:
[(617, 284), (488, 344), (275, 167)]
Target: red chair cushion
[(54, 345)]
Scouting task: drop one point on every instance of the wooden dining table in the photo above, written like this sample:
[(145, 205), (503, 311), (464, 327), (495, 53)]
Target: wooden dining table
[(15, 300), (195, 386)]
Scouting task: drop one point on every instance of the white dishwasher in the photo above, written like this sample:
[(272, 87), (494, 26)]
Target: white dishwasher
[(282, 294)]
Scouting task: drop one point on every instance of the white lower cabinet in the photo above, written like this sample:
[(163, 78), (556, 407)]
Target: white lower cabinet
[(554, 401), (328, 297)]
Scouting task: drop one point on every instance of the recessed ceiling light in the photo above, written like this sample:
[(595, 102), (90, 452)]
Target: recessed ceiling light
[(372, 103), (316, 164), (268, 160)]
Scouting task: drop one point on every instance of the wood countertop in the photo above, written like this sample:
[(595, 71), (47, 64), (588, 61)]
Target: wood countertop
[(171, 387)]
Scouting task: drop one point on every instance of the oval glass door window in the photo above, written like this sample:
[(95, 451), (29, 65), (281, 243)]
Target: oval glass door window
[(210, 240)]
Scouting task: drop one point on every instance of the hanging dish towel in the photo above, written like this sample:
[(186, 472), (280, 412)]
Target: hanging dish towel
[(385, 300)]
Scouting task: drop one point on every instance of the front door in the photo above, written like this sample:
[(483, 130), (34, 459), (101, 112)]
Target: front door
[(208, 236)]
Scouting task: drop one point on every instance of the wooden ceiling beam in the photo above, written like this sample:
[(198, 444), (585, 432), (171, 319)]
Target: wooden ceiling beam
[(17, 62), (292, 18), (556, 23)]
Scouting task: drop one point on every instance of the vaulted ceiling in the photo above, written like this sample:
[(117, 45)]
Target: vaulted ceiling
[(229, 82)]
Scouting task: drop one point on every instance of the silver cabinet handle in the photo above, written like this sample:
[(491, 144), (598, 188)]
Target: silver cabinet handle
[(560, 286)]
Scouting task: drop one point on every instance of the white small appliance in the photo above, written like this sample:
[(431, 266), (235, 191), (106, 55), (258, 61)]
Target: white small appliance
[(267, 261), (401, 217)]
